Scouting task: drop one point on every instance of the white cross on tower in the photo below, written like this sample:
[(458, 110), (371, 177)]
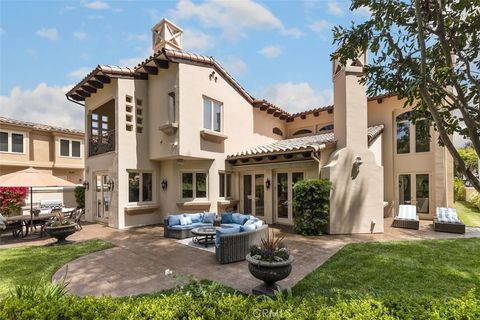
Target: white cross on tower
[(166, 35)]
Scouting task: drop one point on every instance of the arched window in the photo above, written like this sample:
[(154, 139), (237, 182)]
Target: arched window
[(277, 131), (302, 132), (328, 127)]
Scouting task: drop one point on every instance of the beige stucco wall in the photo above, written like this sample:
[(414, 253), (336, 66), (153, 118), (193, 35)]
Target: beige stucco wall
[(311, 122)]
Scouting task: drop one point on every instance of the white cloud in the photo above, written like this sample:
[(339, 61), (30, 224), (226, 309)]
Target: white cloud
[(235, 66), (293, 32), (297, 97), (138, 37), (79, 73), (334, 8), (271, 51), (233, 17), (2, 31), (195, 40), (80, 35), (363, 11), (96, 5), (48, 33), (321, 27), (44, 104)]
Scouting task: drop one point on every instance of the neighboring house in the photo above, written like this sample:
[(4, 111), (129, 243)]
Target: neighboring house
[(55, 150), (177, 133)]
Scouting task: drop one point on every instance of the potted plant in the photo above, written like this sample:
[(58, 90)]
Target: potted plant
[(60, 228), (270, 262)]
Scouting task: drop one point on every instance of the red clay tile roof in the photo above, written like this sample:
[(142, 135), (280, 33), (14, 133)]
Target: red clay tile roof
[(38, 126), (300, 144)]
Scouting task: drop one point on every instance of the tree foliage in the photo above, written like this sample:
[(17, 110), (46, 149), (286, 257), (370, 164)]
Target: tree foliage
[(427, 52)]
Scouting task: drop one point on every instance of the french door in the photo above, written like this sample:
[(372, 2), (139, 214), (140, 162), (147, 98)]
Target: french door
[(414, 189), (254, 194), (104, 187), (283, 204)]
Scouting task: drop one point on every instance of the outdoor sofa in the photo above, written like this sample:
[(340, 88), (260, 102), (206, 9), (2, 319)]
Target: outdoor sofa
[(407, 217), (179, 226), (236, 235), (446, 220)]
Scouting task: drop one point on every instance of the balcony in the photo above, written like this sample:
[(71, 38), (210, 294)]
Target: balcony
[(103, 143)]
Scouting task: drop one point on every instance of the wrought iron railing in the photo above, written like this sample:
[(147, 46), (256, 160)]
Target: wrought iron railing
[(102, 143)]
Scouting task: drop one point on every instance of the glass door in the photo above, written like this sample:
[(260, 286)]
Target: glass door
[(417, 193), (284, 195), (254, 194), (104, 186)]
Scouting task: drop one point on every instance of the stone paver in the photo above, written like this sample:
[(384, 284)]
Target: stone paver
[(138, 262)]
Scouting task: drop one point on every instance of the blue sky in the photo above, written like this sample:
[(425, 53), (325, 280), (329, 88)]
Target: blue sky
[(278, 50)]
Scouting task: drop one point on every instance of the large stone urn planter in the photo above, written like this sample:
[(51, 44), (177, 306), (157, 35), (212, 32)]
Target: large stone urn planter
[(61, 232), (269, 273)]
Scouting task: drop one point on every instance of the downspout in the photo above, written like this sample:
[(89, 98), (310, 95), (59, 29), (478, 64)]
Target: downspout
[(314, 157)]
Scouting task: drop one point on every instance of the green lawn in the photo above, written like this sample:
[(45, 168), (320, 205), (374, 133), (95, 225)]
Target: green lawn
[(430, 268), (468, 213), (23, 265)]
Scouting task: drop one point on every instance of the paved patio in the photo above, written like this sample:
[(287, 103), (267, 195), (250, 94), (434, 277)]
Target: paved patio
[(138, 262)]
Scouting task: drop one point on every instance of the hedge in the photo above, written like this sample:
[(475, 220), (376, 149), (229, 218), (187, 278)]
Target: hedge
[(459, 192), (475, 199), (311, 206), (224, 305)]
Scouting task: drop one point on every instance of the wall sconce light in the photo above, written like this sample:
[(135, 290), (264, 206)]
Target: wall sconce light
[(110, 185), (267, 184), (86, 185), (164, 184), (358, 161)]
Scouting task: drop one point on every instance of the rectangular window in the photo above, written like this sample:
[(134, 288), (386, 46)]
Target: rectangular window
[(70, 148), (4, 141), (212, 115), (194, 185), (422, 136), (140, 187), (422, 190), (403, 137), (11, 142), (225, 185), (172, 113)]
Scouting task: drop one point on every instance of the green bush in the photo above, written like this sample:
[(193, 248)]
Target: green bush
[(458, 190), (80, 196), (475, 199), (311, 206), (217, 304)]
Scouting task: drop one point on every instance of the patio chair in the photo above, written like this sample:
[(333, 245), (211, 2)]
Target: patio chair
[(77, 217), (446, 220), (407, 217)]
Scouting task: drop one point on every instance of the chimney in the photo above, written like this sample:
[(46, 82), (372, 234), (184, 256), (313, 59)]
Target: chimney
[(350, 101), (166, 34)]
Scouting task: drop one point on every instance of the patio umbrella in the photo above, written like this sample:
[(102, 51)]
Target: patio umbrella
[(33, 178)]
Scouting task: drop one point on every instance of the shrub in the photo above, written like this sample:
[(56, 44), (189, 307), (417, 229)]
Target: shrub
[(12, 199), (475, 199), (458, 190), (311, 205), (80, 196)]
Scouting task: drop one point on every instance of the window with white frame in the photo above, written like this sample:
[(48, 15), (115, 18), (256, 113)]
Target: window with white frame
[(140, 186), (212, 114), (172, 112), (70, 148), (194, 185), (225, 185), (12, 142)]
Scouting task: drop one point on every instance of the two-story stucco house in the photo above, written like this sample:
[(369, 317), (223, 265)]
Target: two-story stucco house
[(177, 133), (53, 150)]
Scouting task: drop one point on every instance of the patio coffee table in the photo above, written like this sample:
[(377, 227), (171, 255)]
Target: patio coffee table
[(204, 235)]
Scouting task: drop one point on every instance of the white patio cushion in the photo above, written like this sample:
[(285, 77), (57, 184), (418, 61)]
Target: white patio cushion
[(408, 212), (448, 215)]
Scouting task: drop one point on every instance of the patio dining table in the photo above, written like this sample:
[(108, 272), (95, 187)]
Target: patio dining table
[(29, 221)]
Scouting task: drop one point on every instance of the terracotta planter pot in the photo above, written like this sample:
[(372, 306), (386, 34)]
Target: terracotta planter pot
[(61, 232), (269, 273)]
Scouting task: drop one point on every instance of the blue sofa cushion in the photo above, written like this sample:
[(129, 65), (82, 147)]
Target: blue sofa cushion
[(200, 224), (258, 223), (228, 225), (222, 231), (239, 218), (180, 227), (226, 218), (196, 217), (247, 227), (174, 219), (209, 217)]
